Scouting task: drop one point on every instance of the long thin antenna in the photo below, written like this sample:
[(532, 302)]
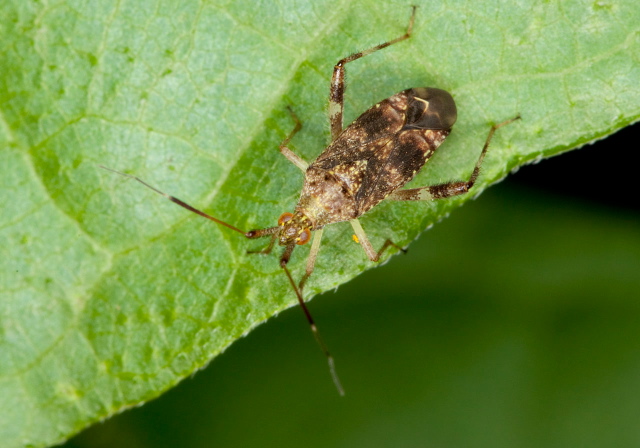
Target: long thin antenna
[(177, 201), (316, 333)]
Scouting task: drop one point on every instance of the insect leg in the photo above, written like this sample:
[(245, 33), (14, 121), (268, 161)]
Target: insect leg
[(311, 261), (336, 94), (290, 155), (314, 330), (267, 250), (366, 244), (449, 189)]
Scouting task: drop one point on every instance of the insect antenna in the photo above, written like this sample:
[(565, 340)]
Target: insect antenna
[(314, 330), (185, 205)]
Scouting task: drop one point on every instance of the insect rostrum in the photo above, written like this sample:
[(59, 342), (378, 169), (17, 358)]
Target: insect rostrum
[(365, 163)]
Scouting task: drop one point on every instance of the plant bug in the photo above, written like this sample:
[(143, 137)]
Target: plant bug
[(365, 163)]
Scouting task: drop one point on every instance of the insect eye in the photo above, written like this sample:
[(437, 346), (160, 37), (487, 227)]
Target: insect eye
[(304, 237), (284, 218)]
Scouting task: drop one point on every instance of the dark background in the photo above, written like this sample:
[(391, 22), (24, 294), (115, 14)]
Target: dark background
[(515, 322)]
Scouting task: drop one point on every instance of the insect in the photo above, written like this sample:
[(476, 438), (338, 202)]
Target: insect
[(365, 163)]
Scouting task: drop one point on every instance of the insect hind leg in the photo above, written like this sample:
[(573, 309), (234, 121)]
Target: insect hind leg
[(450, 189)]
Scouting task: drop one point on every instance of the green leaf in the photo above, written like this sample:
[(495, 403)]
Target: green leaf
[(432, 353), (111, 294)]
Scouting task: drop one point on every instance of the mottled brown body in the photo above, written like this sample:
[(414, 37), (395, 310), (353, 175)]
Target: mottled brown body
[(377, 154)]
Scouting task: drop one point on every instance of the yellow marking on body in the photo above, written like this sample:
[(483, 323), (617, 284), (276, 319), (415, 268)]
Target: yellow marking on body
[(355, 238)]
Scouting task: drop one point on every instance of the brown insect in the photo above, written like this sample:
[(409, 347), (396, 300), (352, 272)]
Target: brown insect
[(365, 163)]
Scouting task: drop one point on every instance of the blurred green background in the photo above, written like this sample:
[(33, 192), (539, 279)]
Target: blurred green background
[(516, 322)]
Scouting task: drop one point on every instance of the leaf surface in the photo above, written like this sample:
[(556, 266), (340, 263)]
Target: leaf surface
[(111, 294)]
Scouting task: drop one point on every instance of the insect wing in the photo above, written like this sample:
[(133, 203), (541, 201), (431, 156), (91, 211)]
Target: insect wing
[(365, 135), (395, 165)]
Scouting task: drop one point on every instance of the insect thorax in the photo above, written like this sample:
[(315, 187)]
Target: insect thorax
[(326, 197)]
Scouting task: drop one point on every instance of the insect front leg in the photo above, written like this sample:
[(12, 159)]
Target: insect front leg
[(449, 189), (290, 155), (311, 260), (267, 250), (314, 328), (366, 244), (336, 94)]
